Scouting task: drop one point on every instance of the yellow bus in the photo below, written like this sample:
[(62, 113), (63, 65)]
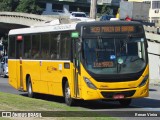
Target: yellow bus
[(82, 60)]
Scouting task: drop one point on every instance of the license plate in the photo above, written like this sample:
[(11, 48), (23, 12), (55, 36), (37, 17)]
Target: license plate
[(118, 96)]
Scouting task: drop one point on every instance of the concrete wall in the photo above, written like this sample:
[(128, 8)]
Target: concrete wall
[(154, 57), (154, 61), (135, 0)]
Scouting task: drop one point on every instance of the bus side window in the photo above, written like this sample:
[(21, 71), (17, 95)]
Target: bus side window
[(27, 54), (65, 46), (45, 46), (54, 46), (53, 55), (35, 53), (36, 46), (27, 46)]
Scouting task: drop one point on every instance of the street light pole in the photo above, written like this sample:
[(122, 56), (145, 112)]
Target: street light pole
[(93, 9)]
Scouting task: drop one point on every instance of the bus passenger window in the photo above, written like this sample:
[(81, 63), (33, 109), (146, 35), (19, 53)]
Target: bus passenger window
[(54, 46), (27, 46), (45, 46), (44, 54), (35, 54), (35, 46), (65, 46), (53, 55), (27, 54)]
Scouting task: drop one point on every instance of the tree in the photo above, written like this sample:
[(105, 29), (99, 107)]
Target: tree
[(106, 10), (29, 6), (8, 5)]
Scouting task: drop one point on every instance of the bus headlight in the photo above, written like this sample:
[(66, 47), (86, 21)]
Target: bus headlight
[(89, 83), (144, 81)]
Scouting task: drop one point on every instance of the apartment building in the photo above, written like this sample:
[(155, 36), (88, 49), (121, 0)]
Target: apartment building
[(55, 7), (154, 12)]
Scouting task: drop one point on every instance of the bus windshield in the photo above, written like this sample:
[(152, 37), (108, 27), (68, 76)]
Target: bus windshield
[(114, 56)]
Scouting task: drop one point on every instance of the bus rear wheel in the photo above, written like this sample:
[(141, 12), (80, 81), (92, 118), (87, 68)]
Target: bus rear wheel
[(125, 102), (67, 94), (29, 88)]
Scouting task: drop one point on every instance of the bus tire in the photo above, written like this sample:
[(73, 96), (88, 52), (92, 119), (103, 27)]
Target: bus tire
[(125, 102), (29, 88), (67, 94)]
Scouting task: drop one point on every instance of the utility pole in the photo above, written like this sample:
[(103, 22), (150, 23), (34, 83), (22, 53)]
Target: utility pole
[(93, 9)]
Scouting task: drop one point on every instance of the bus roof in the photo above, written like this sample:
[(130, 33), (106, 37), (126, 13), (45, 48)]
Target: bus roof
[(40, 29), (49, 26), (67, 27)]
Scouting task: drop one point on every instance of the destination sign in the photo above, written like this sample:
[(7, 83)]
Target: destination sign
[(103, 64), (111, 29)]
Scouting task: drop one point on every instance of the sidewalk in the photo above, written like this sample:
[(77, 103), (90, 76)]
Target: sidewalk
[(154, 82)]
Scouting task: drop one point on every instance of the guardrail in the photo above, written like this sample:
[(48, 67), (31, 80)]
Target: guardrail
[(153, 37), (153, 29)]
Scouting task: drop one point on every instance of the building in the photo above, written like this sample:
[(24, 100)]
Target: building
[(57, 7), (154, 12)]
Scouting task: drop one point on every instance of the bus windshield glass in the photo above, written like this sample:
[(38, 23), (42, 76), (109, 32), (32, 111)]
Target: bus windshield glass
[(114, 56)]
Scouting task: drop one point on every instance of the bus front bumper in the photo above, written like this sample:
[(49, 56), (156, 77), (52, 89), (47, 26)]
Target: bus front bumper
[(138, 92)]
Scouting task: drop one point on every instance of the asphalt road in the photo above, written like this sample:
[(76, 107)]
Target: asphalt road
[(5, 87), (151, 103)]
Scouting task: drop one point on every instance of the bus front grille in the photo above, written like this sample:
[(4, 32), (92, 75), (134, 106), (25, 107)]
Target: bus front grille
[(125, 93)]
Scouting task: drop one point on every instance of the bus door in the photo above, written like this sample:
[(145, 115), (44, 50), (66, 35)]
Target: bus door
[(19, 51), (76, 62)]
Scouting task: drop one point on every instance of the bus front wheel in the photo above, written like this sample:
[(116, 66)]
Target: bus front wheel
[(67, 94), (29, 88), (125, 102)]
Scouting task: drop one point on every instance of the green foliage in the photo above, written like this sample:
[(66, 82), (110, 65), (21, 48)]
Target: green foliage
[(6, 5), (106, 10), (28, 6)]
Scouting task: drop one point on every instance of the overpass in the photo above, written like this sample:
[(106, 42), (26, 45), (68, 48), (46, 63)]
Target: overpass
[(13, 20)]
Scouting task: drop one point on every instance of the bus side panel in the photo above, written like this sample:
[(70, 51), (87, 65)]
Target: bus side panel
[(12, 68), (68, 73), (57, 79), (48, 73), (60, 73), (32, 68), (52, 73), (18, 74)]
